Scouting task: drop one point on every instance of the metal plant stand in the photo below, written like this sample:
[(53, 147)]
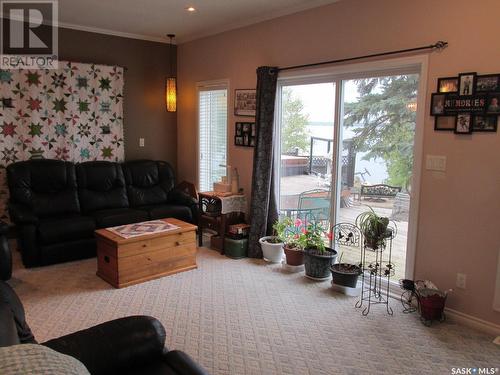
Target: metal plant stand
[(377, 274)]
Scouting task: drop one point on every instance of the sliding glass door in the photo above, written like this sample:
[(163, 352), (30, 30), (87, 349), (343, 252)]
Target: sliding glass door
[(347, 146), (306, 150)]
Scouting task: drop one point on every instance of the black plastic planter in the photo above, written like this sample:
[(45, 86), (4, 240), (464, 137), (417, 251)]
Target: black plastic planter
[(317, 264), (345, 274)]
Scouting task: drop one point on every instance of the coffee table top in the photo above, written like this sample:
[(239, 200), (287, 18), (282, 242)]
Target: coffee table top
[(110, 236)]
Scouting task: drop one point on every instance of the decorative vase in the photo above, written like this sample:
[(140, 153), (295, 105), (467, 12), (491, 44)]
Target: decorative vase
[(345, 274), (317, 264), (272, 252), (294, 256)]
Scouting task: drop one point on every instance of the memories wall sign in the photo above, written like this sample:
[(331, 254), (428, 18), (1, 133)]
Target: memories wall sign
[(467, 103)]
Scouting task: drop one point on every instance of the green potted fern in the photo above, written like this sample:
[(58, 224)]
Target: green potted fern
[(374, 228)]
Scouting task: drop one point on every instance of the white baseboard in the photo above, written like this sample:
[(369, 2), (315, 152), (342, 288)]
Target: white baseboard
[(471, 321)]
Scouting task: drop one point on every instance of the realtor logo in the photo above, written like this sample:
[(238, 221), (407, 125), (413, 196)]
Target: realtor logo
[(29, 34)]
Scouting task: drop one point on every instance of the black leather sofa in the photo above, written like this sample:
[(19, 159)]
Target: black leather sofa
[(131, 345), (56, 205)]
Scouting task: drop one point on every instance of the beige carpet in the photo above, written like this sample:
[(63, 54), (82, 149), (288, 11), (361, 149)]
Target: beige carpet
[(246, 317)]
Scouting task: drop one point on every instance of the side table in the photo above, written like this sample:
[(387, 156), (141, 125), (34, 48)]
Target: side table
[(217, 211)]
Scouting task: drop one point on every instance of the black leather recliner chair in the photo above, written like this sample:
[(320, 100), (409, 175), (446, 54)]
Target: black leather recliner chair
[(45, 208), (131, 345), (56, 206)]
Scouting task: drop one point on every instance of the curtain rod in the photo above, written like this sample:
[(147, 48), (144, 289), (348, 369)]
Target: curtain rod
[(439, 45)]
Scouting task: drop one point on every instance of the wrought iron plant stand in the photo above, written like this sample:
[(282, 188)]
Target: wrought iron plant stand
[(377, 274)]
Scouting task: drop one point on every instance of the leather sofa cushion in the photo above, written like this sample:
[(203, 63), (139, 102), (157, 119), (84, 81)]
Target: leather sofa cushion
[(148, 182), (65, 228), (48, 187), (118, 216), (168, 210), (101, 185)]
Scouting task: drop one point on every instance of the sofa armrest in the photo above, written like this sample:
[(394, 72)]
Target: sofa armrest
[(20, 214), (180, 197), (114, 345), (188, 188), (183, 364)]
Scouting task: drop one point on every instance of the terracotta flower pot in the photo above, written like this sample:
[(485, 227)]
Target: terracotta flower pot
[(294, 256)]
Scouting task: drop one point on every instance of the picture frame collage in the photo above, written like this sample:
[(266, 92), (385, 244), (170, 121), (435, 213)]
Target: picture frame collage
[(245, 106), (467, 103), (244, 134)]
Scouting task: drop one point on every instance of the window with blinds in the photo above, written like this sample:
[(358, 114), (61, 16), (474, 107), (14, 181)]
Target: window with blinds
[(212, 102)]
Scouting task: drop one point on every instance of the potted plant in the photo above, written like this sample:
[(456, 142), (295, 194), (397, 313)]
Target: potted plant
[(272, 246), (318, 258), (288, 231), (374, 228), (345, 274)]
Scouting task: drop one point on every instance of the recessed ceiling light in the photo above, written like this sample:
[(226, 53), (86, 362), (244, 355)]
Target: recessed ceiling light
[(191, 9)]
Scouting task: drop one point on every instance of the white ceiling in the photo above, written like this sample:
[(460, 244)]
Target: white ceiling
[(153, 19)]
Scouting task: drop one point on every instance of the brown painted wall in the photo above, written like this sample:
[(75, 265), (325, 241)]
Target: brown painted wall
[(144, 110), (459, 211)]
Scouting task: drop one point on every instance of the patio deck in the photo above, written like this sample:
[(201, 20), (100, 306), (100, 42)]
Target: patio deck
[(292, 186)]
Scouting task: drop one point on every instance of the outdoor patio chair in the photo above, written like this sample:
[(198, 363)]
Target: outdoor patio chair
[(315, 205)]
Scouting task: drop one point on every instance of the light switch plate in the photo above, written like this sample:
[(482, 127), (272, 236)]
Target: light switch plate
[(141, 142), (435, 163)]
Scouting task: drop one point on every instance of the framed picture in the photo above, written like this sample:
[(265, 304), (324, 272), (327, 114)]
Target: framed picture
[(487, 83), (437, 104), (444, 123), (448, 84), (238, 141), (482, 123), (493, 104), (244, 102), (466, 83), (463, 124), (244, 134)]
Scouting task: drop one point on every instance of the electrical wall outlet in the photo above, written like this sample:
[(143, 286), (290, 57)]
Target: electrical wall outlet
[(141, 142), (461, 280)]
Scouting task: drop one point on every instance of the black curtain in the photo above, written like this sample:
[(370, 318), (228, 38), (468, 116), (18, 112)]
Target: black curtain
[(263, 208)]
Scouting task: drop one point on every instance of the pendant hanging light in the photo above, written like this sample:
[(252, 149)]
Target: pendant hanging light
[(171, 83)]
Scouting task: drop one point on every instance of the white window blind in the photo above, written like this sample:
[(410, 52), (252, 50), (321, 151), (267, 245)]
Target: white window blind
[(212, 104)]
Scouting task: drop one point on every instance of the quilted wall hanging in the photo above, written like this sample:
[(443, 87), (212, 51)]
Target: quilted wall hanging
[(74, 113)]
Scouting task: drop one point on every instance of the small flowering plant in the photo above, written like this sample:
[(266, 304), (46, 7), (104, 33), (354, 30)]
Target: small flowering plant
[(313, 236), (301, 234)]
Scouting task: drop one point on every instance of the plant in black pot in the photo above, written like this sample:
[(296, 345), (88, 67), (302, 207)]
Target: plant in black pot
[(318, 258), (374, 228), (345, 274)]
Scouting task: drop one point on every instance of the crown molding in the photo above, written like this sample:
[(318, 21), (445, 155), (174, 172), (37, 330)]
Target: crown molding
[(121, 34)]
